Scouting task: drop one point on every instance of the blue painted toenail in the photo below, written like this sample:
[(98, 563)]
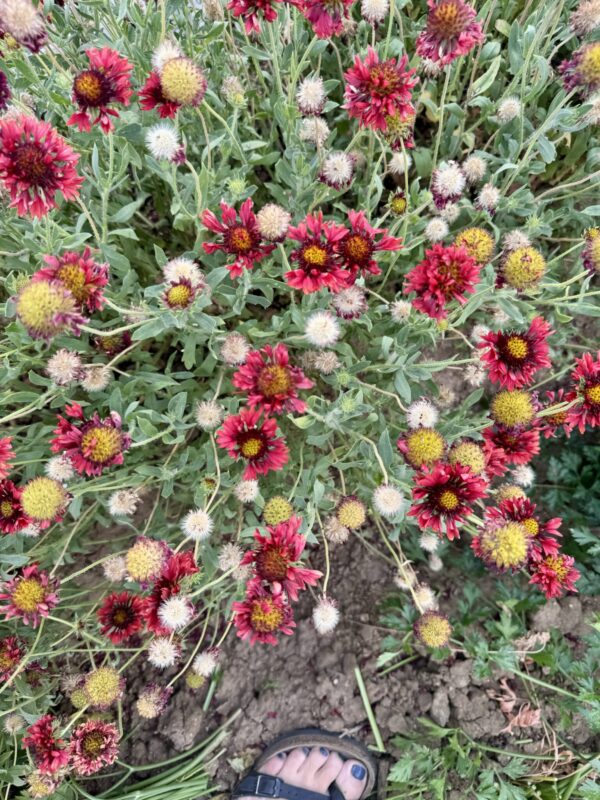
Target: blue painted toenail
[(281, 755), (306, 750), (324, 751), (358, 772)]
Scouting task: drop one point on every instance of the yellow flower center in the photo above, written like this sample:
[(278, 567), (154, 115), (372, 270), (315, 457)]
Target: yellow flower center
[(398, 204), (6, 660), (351, 514), (265, 616), (194, 681), (240, 240), (38, 305), (506, 547), (274, 380), (144, 560), (446, 19), (512, 408), (6, 509), (434, 630), (181, 81), (558, 566), (524, 268), (478, 243), (93, 744), (73, 278), (315, 256), (28, 594), (251, 447), (103, 686), (470, 455), (592, 394), (272, 564), (89, 86), (517, 347), (357, 248), (43, 498), (510, 492), (531, 525), (179, 296), (277, 510), (448, 500), (590, 63), (100, 444), (424, 446)]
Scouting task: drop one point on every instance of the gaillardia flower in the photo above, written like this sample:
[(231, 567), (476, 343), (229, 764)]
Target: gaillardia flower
[(103, 687), (378, 91), (522, 510), (554, 574), (179, 295), (277, 509), (262, 614), (351, 512), (277, 555), (443, 496), (239, 238), (245, 437), (47, 308), (11, 653), (151, 96), (6, 455), (513, 357), (35, 164), (522, 268), (120, 616), (271, 382), (433, 629), (169, 584), (106, 81), (30, 595), (517, 445), (586, 381), (319, 264), (478, 243), (145, 559), (582, 70), (92, 445), (360, 244), (183, 82), (93, 746), (48, 750), (503, 546), (80, 274), (44, 500), (422, 447), (445, 274), (512, 408), (327, 17), (12, 516), (252, 10), (451, 31)]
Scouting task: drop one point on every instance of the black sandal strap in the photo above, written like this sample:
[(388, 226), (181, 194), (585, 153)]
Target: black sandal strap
[(255, 784)]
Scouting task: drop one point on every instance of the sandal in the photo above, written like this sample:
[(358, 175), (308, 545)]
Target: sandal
[(256, 784)]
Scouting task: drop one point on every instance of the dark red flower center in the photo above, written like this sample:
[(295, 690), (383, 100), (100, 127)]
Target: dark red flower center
[(240, 240), (29, 164), (265, 616), (274, 380), (357, 248), (121, 616), (592, 394), (272, 563), (384, 79), (446, 20), (252, 444), (92, 744), (92, 89)]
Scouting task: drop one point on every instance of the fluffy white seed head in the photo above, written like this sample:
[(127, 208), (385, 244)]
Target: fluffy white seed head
[(429, 542), (208, 414), (509, 109), (449, 180), (163, 653), (337, 170), (489, 197), (523, 475), (311, 95), (586, 17), (162, 141), (234, 349), (13, 723), (478, 332), (181, 268), (273, 222), (175, 612), (425, 598), (322, 329), (326, 362), (499, 317), (59, 468), (400, 310), (450, 213), (405, 580), (515, 239), (167, 50), (421, 413), (32, 530), (64, 367), (474, 375), (335, 532), (314, 130), (436, 229), (197, 525), (349, 302), (123, 503), (230, 556), (387, 500), (246, 491), (205, 663), (474, 168), (431, 68), (21, 19), (374, 11), (115, 569), (435, 563), (325, 616), (399, 163), (96, 377)]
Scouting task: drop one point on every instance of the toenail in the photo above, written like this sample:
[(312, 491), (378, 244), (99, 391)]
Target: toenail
[(324, 751), (306, 750), (358, 772), (281, 755)]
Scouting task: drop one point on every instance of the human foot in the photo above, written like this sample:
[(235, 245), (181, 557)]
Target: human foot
[(316, 769)]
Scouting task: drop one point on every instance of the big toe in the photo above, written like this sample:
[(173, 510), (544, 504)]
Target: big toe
[(352, 780)]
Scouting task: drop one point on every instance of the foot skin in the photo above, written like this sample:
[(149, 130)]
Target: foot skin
[(316, 770)]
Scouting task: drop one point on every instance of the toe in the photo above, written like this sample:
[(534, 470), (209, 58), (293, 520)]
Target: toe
[(294, 760), (311, 765), (352, 780), (274, 765), (328, 772)]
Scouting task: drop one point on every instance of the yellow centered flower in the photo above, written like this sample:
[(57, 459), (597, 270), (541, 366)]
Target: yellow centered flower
[(592, 394), (43, 499), (240, 240), (194, 681), (265, 616), (144, 560), (251, 447), (39, 785), (274, 380), (505, 547), (531, 525), (277, 510), (509, 491), (102, 687), (272, 564), (424, 446), (351, 513), (589, 65), (433, 629), (40, 304), (468, 454), (28, 594), (315, 256), (448, 500), (181, 81), (517, 347), (512, 408), (447, 19), (398, 204), (179, 296), (73, 278), (478, 243), (558, 566), (100, 443), (524, 268), (88, 85)]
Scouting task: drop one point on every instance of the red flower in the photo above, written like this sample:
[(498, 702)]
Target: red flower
[(177, 567), (11, 653), (327, 19), (12, 516), (554, 575), (6, 454), (107, 80), (359, 244), (581, 70), (93, 746), (586, 380), (49, 752), (35, 164), (78, 273), (91, 445), (447, 492), (521, 509), (517, 445), (270, 381), (262, 614), (240, 239), (251, 11), (378, 93), (451, 31), (30, 594), (120, 616), (319, 263), (513, 358), (151, 96), (446, 273), (551, 423), (243, 436), (276, 555)]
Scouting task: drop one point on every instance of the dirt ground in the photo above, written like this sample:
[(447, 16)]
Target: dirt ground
[(310, 680)]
